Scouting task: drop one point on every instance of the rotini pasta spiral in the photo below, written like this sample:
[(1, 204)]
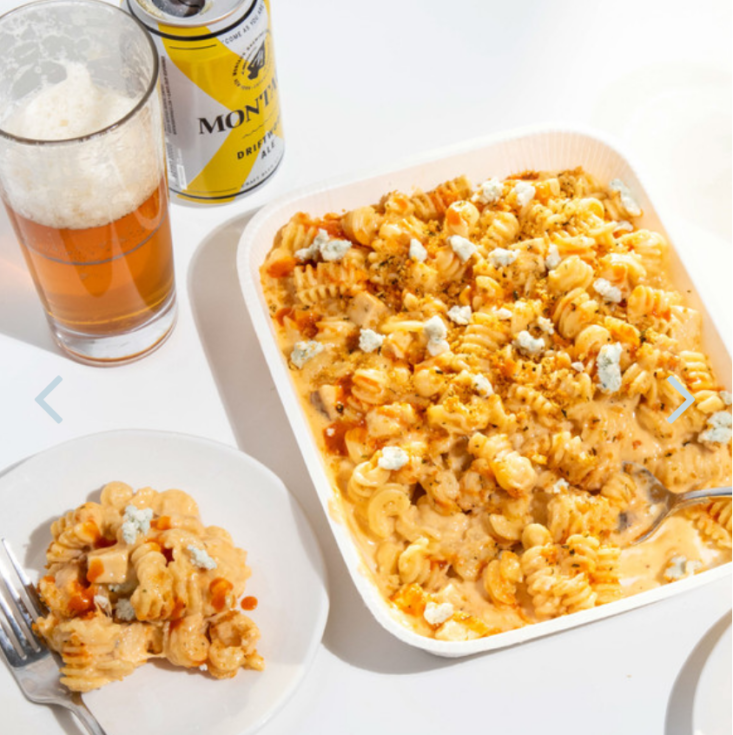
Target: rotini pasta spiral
[(573, 312)]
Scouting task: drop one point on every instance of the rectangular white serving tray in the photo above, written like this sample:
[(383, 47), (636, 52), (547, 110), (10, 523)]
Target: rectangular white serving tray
[(538, 149)]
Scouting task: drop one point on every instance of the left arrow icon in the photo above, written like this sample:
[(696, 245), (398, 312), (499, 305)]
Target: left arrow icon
[(41, 399)]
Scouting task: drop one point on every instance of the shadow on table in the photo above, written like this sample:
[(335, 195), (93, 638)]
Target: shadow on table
[(21, 313), (262, 430), (679, 719)]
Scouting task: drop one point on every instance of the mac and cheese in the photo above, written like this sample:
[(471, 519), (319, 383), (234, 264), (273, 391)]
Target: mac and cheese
[(476, 364), (138, 576)]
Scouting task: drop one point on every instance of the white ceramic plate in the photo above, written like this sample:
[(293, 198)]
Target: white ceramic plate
[(538, 149), (233, 491), (711, 713)]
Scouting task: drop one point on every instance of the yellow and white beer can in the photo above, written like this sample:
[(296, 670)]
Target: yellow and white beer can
[(220, 96)]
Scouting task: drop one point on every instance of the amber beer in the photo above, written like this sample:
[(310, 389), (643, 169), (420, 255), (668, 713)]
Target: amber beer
[(124, 268), (83, 175)]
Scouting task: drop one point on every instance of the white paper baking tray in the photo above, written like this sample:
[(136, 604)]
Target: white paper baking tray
[(544, 148)]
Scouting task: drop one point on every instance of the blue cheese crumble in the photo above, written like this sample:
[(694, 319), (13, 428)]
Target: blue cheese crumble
[(334, 250), (369, 340), (135, 521), (482, 385), (545, 325), (680, 567), (609, 370), (528, 344), (418, 251), (489, 192), (524, 191), (460, 314), (462, 247), (607, 290), (314, 248), (393, 458), (561, 486), (201, 558), (627, 200), (553, 258), (436, 332), (719, 429), (304, 351), (124, 609), (504, 314), (501, 257), (437, 614), (330, 250)]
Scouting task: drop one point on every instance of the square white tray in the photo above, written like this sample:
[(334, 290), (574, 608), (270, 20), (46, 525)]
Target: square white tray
[(539, 149)]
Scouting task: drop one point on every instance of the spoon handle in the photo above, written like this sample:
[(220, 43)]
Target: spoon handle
[(695, 496)]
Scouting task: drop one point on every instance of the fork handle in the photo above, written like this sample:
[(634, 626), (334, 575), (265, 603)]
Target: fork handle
[(695, 496), (92, 726)]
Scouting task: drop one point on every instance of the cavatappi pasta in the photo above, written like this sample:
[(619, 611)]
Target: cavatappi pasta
[(138, 576), (476, 364)]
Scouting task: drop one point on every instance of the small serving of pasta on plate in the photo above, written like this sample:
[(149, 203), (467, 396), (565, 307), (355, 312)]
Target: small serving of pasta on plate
[(138, 576), (476, 365)]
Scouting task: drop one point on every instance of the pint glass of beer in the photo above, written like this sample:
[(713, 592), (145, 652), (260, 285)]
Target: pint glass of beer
[(82, 174)]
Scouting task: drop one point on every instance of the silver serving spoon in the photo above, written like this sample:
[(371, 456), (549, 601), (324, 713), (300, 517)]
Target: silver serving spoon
[(658, 503)]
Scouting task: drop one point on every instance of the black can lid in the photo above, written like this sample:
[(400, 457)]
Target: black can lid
[(180, 8), (190, 13)]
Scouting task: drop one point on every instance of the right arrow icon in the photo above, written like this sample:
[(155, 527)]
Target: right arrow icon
[(689, 399)]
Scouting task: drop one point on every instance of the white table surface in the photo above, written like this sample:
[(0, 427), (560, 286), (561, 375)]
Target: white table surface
[(367, 85)]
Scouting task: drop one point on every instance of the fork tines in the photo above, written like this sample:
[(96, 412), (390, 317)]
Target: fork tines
[(15, 613)]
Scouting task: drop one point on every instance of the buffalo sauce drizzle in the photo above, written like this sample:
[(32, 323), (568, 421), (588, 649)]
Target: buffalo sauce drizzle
[(305, 320), (163, 523), (95, 569), (81, 600), (219, 589), (90, 529), (248, 603), (282, 267)]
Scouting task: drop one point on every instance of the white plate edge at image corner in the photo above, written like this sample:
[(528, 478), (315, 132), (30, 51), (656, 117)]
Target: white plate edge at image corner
[(711, 705)]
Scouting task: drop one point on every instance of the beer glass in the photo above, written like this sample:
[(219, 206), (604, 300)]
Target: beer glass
[(82, 174)]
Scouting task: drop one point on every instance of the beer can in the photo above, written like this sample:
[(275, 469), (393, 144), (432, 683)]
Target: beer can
[(220, 95)]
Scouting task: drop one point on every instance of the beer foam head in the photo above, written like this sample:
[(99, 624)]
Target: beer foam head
[(70, 109), (78, 184)]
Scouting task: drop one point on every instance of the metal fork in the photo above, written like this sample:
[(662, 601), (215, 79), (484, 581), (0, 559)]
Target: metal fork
[(31, 663), (660, 502)]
